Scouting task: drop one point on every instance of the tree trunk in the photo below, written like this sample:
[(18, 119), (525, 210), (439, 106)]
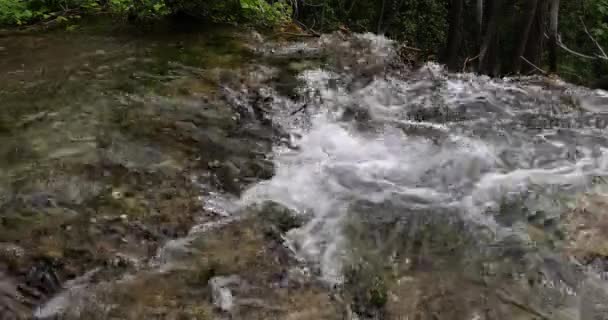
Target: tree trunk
[(490, 36), (536, 39), (381, 17), (525, 35), (553, 26), (454, 36), (479, 16)]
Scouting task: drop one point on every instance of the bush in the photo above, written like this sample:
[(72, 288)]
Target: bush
[(139, 9), (257, 12), (263, 13), (14, 12)]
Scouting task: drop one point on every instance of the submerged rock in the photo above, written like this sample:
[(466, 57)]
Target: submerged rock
[(586, 228)]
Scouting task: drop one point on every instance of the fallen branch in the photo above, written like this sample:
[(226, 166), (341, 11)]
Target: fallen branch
[(411, 48), (309, 30), (304, 35), (534, 66), (466, 61)]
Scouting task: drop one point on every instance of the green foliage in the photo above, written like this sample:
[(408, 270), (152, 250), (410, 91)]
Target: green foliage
[(594, 13), (139, 9), (421, 23), (598, 13), (14, 12), (18, 12), (264, 13), (256, 12)]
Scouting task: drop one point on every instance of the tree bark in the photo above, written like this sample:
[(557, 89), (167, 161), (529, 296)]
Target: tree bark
[(536, 38), (381, 18), (479, 16), (525, 35), (454, 36), (553, 27), (490, 36)]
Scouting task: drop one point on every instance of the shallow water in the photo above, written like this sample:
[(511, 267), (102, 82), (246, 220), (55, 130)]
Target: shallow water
[(452, 188)]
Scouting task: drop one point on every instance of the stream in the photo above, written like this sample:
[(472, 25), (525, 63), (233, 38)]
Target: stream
[(213, 173)]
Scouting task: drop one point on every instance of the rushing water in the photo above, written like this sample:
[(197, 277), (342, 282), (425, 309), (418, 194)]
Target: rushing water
[(459, 176), (493, 153)]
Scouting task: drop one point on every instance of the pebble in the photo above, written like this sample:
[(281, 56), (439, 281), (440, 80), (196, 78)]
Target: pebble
[(123, 217), (93, 220), (116, 194)]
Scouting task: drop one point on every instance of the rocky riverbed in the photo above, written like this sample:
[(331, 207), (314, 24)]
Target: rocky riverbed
[(213, 173)]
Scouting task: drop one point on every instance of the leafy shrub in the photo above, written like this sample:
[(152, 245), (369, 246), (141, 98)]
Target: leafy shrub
[(258, 12), (264, 13), (14, 12), (139, 9)]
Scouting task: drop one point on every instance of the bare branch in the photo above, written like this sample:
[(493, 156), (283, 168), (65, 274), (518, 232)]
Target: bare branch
[(306, 28), (603, 56), (578, 54), (411, 48), (466, 61), (533, 65), (303, 35)]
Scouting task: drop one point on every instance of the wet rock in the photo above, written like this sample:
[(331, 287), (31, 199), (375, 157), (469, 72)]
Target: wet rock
[(11, 306), (221, 292), (27, 120), (280, 216), (594, 300), (229, 174), (43, 277), (122, 261), (214, 164)]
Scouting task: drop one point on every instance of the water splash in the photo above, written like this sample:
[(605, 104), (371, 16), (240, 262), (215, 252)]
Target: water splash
[(459, 144)]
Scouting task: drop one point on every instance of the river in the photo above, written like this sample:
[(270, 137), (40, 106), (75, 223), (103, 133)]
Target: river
[(132, 157)]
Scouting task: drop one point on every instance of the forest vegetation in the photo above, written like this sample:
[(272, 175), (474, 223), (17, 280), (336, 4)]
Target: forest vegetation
[(501, 37)]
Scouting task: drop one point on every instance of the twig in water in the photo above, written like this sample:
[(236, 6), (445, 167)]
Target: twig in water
[(534, 66), (300, 109)]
